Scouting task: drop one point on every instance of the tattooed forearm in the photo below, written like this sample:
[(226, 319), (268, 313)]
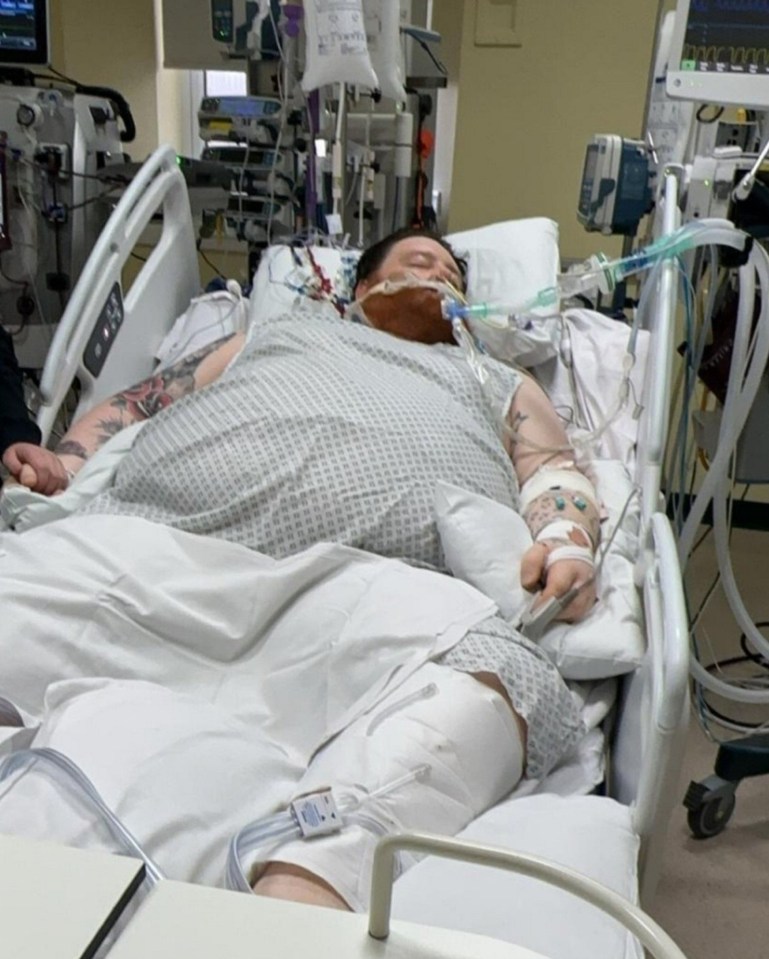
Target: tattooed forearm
[(108, 428), (563, 504), (157, 392), (144, 400), (71, 448)]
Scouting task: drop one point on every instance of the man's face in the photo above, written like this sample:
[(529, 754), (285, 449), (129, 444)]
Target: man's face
[(413, 313)]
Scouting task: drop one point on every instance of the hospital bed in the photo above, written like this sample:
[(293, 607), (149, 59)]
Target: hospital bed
[(603, 812)]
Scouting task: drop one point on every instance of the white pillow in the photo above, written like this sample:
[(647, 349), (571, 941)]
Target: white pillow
[(510, 261), (208, 318), (507, 260), (286, 274), (484, 541)]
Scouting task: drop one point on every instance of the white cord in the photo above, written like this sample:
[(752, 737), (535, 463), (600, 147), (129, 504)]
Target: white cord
[(744, 188), (741, 391)]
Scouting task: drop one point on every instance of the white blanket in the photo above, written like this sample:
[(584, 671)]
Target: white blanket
[(125, 598), (248, 665)]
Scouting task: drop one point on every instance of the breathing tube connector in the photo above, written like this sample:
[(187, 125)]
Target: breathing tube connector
[(499, 316)]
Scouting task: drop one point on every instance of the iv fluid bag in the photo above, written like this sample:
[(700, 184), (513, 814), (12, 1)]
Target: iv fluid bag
[(382, 20), (337, 51)]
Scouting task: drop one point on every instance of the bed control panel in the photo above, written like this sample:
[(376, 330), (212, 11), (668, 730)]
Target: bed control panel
[(104, 332)]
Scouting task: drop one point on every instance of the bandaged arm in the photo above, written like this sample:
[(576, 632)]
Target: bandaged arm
[(140, 402), (558, 502)]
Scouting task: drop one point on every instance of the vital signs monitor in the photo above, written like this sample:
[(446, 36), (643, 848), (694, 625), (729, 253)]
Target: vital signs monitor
[(24, 33), (720, 52)]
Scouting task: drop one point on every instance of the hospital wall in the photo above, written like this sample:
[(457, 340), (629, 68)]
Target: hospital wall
[(526, 113), (112, 44)]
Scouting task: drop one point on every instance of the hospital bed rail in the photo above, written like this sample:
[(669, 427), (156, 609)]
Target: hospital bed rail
[(650, 733), (652, 720), (97, 316), (655, 940)]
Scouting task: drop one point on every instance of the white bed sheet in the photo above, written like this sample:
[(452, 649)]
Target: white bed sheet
[(217, 643), (580, 773)]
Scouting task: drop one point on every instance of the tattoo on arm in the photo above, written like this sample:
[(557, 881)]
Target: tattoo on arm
[(108, 429), (517, 420), (157, 392), (560, 504), (71, 448)]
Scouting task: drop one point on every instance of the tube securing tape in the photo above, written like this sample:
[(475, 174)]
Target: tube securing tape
[(546, 479)]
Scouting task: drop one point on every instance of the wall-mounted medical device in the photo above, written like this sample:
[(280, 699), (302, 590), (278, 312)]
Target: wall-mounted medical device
[(720, 53), (57, 147), (616, 187), (255, 119), (254, 159), (246, 28), (24, 33), (243, 134)]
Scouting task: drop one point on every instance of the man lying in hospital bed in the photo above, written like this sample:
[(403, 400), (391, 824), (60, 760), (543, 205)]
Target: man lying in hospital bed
[(319, 444)]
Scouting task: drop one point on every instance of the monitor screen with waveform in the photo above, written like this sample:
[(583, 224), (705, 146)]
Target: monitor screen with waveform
[(720, 52), (24, 32)]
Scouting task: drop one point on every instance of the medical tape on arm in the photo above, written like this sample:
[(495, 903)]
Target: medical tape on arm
[(564, 486), (547, 480), (565, 531)]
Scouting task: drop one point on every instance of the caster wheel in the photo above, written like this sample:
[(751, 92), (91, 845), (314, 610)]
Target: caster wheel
[(710, 817)]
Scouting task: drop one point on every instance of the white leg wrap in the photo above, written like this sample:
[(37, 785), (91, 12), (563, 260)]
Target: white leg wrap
[(463, 731)]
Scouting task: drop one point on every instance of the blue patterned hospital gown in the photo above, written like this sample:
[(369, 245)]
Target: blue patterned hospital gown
[(328, 431)]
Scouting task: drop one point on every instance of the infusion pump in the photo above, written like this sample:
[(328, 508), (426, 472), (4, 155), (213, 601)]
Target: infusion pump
[(56, 148), (616, 189)]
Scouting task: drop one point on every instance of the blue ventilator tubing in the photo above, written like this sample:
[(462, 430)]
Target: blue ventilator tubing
[(597, 274)]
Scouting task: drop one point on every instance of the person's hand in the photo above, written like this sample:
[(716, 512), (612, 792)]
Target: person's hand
[(558, 579), (36, 467)]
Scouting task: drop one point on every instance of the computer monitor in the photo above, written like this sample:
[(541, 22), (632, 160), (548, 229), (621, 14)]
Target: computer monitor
[(720, 52), (24, 33)]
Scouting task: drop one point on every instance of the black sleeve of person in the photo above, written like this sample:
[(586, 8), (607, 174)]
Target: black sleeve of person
[(15, 424)]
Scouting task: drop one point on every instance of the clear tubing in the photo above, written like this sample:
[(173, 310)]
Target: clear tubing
[(741, 390), (283, 827), (740, 393), (24, 759), (600, 274), (684, 450), (705, 232), (505, 314)]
